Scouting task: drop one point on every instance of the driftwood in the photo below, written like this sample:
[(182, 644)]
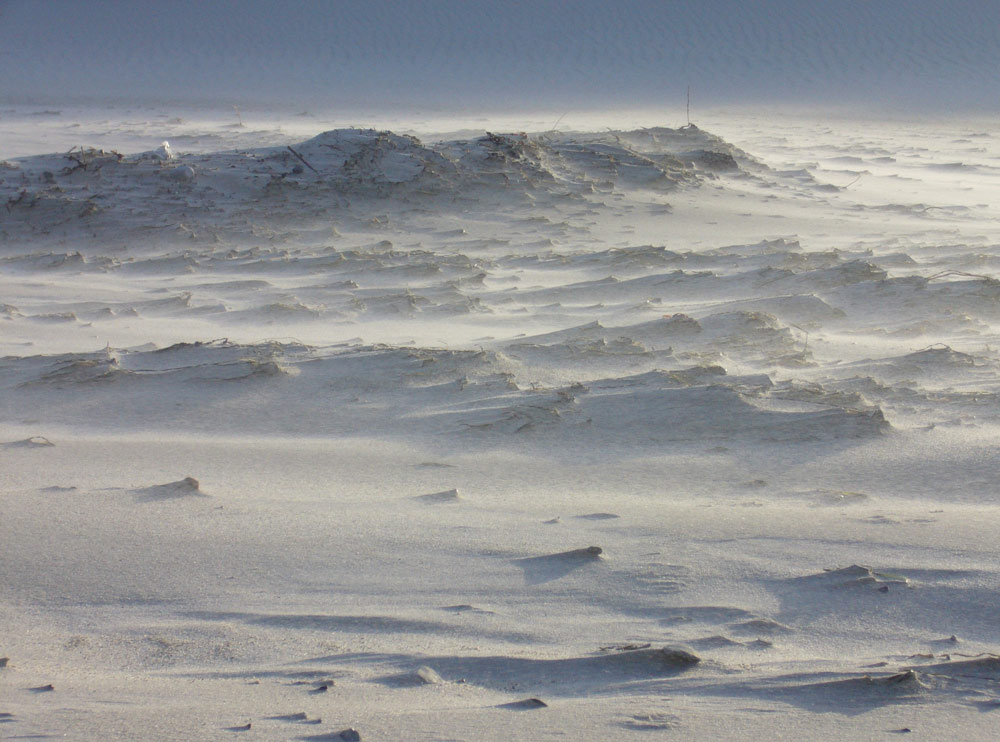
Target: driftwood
[(303, 160)]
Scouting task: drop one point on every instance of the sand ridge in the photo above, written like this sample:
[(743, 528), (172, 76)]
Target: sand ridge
[(500, 434)]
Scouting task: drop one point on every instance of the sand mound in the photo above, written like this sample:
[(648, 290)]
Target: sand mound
[(980, 667), (446, 496), (855, 576), (92, 194), (35, 441), (182, 488), (568, 676), (541, 569)]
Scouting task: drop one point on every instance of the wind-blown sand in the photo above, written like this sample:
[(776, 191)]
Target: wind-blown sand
[(612, 429)]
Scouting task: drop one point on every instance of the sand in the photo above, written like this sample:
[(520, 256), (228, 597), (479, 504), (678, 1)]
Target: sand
[(444, 425)]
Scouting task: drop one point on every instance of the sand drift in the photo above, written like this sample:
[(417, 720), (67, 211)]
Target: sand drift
[(364, 436)]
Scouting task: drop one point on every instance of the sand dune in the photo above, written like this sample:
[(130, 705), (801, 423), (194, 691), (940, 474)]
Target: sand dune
[(448, 387)]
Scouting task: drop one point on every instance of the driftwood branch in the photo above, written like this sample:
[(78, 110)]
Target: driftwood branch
[(303, 160)]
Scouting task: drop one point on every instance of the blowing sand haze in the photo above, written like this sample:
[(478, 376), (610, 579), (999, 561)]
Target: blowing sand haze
[(446, 393)]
